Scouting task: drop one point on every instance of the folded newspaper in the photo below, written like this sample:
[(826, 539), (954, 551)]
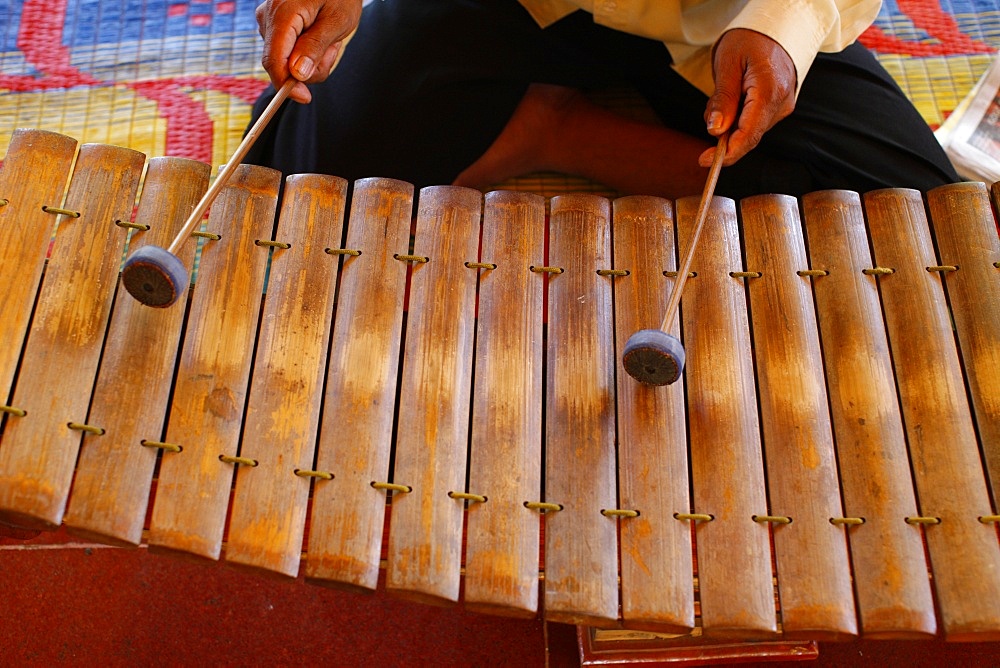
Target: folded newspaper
[(971, 134)]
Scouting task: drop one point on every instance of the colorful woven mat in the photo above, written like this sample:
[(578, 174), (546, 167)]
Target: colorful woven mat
[(177, 77)]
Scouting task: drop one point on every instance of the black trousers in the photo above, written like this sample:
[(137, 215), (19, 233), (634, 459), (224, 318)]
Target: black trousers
[(424, 88)]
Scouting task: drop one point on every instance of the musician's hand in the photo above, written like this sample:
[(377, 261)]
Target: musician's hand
[(303, 38), (754, 89)]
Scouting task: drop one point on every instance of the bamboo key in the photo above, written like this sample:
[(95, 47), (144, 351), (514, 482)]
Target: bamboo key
[(653, 356), (155, 276)]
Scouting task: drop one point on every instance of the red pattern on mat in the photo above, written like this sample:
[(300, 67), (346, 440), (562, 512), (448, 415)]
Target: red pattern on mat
[(929, 17), (189, 127)]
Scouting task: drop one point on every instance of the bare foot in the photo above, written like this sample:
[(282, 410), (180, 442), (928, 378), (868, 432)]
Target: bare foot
[(557, 129), (527, 141)]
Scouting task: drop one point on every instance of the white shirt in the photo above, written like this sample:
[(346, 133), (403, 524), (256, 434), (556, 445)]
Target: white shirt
[(690, 28)]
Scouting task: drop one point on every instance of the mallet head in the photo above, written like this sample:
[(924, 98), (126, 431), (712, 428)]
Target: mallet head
[(653, 357), (154, 276)]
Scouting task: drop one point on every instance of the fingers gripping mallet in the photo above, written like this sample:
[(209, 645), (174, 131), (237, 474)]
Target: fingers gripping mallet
[(653, 356), (155, 276)]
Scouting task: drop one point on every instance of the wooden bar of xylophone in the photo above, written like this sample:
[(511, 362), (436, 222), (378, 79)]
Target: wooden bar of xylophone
[(352, 390)]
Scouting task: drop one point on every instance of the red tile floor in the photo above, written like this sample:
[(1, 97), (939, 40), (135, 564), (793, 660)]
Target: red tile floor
[(66, 602)]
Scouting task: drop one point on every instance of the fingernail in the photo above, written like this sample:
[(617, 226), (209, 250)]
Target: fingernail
[(303, 67), (714, 121)]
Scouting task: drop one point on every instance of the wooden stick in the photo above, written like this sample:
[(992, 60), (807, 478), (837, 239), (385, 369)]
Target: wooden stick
[(706, 200), (199, 211)]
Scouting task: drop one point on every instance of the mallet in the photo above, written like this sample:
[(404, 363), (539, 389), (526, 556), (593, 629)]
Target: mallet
[(155, 276), (653, 356)]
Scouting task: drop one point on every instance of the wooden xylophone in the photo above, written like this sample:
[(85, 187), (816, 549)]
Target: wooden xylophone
[(351, 390)]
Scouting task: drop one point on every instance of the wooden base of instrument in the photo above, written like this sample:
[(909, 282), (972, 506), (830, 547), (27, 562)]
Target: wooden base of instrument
[(823, 469), (634, 648)]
